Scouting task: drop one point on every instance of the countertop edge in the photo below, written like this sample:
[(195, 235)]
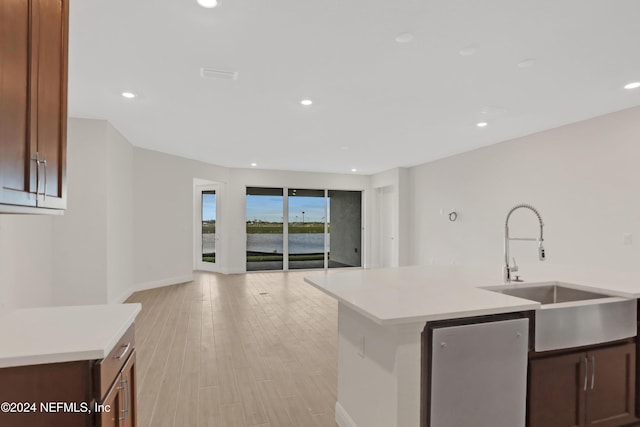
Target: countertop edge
[(77, 355), (524, 306)]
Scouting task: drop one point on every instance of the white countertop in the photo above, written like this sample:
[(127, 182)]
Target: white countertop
[(394, 296), (33, 336)]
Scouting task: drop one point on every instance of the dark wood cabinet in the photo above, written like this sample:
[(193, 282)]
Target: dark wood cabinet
[(33, 102), (120, 399), (586, 388), (556, 396), (115, 384), (89, 393)]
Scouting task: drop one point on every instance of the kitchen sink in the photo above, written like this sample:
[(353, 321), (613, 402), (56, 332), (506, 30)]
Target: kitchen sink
[(571, 316), (550, 294)]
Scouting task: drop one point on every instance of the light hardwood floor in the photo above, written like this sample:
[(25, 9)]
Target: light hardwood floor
[(256, 349)]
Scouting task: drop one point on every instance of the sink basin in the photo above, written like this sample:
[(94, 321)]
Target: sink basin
[(550, 294), (570, 316)]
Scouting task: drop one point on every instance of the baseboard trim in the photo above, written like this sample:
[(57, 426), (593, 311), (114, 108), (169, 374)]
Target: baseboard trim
[(342, 417), (123, 296), (162, 282)]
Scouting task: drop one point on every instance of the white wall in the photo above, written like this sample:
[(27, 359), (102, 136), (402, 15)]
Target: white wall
[(583, 178), (390, 213), (26, 261), (93, 252), (163, 215), (80, 256)]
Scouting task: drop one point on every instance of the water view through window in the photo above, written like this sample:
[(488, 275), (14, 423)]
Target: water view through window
[(265, 243), (209, 226), (306, 219), (306, 228)]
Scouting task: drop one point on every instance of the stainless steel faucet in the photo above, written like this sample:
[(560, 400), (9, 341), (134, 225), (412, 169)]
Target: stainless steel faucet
[(507, 270)]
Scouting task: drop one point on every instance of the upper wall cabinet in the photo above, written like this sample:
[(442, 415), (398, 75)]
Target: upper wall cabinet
[(33, 103)]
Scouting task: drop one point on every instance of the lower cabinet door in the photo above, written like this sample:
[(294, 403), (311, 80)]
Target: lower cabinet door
[(557, 391), (111, 407), (128, 380), (611, 388)]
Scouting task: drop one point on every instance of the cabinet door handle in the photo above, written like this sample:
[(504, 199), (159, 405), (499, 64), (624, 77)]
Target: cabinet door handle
[(125, 398), (593, 371), (124, 352), (44, 162), (586, 372), (37, 160), (123, 387)]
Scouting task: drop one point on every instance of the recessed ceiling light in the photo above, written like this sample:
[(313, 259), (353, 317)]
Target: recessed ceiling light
[(306, 102), (526, 63), (468, 51), (482, 124), (404, 38), (254, 164), (208, 3), (633, 85), (129, 95), (354, 170)]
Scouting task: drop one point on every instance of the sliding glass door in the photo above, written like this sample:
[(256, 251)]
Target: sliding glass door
[(306, 226), (265, 230), (293, 228)]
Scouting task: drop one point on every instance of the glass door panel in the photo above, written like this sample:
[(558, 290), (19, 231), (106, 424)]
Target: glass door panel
[(208, 226), (264, 219), (306, 227), (345, 228)]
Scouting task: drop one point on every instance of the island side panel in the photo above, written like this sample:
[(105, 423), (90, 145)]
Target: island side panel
[(378, 373)]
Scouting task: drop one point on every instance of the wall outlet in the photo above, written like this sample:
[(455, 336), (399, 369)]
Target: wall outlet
[(627, 239)]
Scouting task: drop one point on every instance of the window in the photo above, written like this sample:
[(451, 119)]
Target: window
[(293, 228)]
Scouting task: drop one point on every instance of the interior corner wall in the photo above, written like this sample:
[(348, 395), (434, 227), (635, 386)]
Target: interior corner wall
[(80, 235), (119, 220), (583, 178), (163, 216)]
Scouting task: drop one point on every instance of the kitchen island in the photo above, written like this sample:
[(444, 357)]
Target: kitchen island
[(382, 315)]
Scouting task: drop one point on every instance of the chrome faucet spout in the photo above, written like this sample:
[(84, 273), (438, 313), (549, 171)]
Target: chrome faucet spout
[(507, 270)]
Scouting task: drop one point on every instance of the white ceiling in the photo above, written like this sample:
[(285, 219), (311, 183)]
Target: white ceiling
[(377, 105)]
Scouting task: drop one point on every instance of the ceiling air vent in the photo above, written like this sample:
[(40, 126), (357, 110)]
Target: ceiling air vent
[(210, 73)]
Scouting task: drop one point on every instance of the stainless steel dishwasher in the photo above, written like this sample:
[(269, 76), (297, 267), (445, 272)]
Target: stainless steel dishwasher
[(478, 375)]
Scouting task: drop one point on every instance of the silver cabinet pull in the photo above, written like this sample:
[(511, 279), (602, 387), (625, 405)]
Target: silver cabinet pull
[(586, 372), (124, 352), (37, 160), (44, 162), (125, 398), (593, 371), (38, 163), (124, 386)]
